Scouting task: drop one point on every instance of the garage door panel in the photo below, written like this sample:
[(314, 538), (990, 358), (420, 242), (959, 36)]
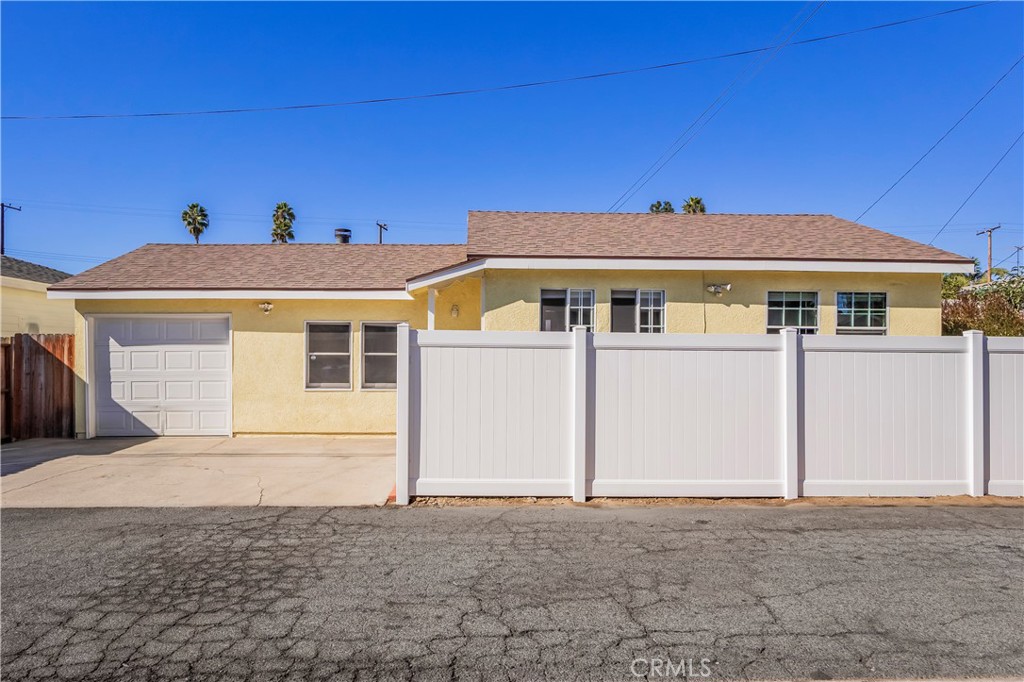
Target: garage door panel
[(167, 376), (143, 360), (213, 359), (213, 330), (143, 331), (179, 360)]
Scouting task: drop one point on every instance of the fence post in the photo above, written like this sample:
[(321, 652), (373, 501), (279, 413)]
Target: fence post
[(579, 408), (976, 399), (790, 403), (403, 416)]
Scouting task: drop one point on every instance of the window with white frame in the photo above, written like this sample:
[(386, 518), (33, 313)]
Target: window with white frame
[(638, 310), (798, 309), (563, 309), (862, 313), (329, 355), (380, 354)]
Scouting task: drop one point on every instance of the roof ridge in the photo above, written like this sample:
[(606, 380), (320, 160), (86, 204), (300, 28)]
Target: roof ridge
[(296, 244), (633, 213)]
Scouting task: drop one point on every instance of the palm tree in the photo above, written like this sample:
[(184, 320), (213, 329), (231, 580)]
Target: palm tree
[(662, 207), (195, 219), (282, 231), (694, 205)]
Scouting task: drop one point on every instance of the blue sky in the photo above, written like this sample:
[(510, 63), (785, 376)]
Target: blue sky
[(823, 128)]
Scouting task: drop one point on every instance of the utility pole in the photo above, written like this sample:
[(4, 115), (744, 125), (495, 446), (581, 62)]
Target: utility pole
[(989, 231), (3, 214), (381, 229)]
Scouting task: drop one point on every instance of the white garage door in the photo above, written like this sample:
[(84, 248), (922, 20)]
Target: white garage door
[(167, 376)]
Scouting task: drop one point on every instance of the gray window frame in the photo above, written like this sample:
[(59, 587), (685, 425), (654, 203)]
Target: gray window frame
[(363, 385), (307, 354)]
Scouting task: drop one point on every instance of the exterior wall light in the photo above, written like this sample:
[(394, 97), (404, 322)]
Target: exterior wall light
[(455, 311), (266, 307), (719, 289)]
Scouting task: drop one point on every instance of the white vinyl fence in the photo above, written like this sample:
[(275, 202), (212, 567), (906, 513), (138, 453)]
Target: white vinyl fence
[(581, 414)]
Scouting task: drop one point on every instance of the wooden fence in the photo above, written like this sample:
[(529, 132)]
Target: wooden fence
[(38, 386)]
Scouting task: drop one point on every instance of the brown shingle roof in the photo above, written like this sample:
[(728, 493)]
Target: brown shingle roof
[(268, 266), (677, 235), (22, 269)]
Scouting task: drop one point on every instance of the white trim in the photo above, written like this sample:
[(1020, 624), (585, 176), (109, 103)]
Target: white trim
[(305, 357), (1006, 488), (242, 294), (642, 341), (490, 487), (883, 488), (90, 360), (431, 305), (451, 338), (884, 344), (685, 488), (503, 263), (1004, 344)]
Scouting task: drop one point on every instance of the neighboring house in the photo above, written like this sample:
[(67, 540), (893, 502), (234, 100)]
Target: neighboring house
[(301, 338), (25, 309)]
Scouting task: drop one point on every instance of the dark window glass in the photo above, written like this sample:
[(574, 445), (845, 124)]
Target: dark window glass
[(329, 338), (380, 370), (380, 338), (328, 356), (797, 309), (552, 310), (861, 313), (624, 311), (329, 371)]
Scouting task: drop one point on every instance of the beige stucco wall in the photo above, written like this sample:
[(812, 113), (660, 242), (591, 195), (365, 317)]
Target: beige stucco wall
[(268, 351), (24, 309), (268, 355), (513, 297)]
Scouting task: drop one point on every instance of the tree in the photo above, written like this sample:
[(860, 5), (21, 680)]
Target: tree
[(195, 219), (284, 217), (694, 205), (662, 207)]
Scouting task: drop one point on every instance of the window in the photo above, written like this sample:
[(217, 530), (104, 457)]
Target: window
[(563, 309), (797, 309), (861, 313), (380, 354), (640, 310), (328, 355)]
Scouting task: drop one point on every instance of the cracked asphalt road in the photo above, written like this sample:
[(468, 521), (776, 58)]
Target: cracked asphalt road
[(520, 593)]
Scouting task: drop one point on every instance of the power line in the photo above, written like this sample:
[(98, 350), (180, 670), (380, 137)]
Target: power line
[(990, 172), (679, 143), (1016, 250), (944, 136), (500, 88)]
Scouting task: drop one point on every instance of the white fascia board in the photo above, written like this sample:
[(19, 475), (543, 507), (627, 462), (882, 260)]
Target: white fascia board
[(738, 265), (242, 294), (447, 274)]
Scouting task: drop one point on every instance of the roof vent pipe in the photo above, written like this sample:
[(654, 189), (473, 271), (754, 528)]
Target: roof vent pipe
[(342, 235)]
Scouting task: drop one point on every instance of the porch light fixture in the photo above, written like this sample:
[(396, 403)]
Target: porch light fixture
[(266, 307), (455, 311), (719, 289)]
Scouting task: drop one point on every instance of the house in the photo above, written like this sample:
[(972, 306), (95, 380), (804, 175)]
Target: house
[(26, 308), (302, 338)]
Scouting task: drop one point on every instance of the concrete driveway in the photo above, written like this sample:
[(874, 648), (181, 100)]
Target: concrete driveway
[(197, 472)]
